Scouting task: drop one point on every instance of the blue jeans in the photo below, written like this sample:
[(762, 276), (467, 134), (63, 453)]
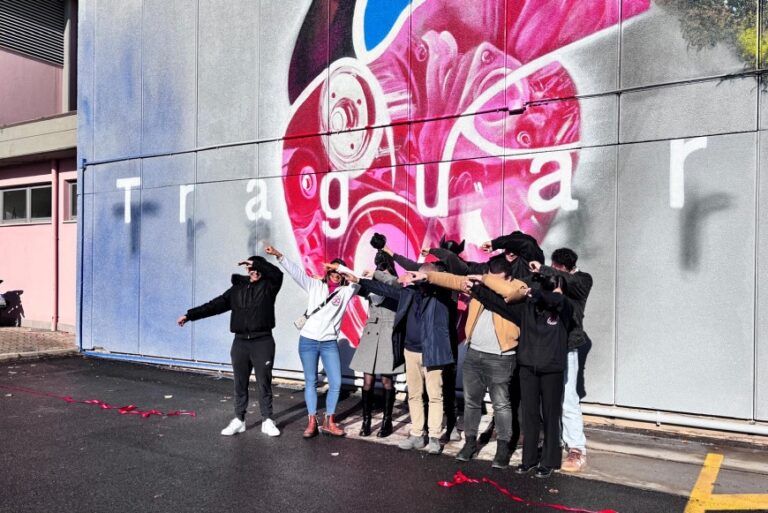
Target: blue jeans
[(573, 423), (309, 352)]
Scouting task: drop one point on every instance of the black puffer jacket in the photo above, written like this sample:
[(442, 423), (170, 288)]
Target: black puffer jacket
[(252, 303)]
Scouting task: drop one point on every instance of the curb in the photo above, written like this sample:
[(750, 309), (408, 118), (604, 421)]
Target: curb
[(31, 355)]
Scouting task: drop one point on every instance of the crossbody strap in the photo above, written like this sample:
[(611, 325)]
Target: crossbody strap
[(308, 315)]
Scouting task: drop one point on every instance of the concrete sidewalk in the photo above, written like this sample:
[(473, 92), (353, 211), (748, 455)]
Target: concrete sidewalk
[(666, 462), (30, 343)]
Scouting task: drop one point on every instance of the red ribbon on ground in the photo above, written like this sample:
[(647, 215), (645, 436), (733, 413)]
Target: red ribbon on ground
[(459, 478), (130, 409)]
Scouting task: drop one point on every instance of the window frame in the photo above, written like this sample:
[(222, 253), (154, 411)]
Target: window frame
[(69, 201), (27, 219)]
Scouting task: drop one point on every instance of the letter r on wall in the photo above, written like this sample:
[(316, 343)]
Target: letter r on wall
[(678, 153)]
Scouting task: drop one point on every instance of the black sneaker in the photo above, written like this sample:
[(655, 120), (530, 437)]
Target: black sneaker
[(543, 472), (524, 469)]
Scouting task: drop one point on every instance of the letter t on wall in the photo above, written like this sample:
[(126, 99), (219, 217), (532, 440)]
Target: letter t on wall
[(128, 184), (678, 153)]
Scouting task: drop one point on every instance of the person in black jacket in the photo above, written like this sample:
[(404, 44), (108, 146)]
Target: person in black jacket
[(545, 320), (579, 285), (251, 299)]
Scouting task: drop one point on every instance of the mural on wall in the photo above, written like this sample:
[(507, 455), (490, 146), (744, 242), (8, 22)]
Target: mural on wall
[(431, 117)]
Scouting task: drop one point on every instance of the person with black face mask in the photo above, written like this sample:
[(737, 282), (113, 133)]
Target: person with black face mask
[(545, 320)]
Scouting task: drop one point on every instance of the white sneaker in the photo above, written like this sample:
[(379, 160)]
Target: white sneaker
[(235, 426), (268, 426)]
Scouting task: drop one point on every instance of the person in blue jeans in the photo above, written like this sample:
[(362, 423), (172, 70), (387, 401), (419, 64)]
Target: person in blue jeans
[(318, 338)]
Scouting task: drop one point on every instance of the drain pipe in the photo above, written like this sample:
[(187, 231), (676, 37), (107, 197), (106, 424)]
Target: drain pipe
[(55, 223), (659, 418)]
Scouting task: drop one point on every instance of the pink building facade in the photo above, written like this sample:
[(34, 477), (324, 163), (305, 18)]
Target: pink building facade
[(38, 174)]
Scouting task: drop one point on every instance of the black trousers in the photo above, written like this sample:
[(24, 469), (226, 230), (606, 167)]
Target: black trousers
[(257, 354), (541, 396)]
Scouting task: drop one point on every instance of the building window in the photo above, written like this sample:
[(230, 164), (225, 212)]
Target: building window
[(70, 206), (26, 205), (14, 205)]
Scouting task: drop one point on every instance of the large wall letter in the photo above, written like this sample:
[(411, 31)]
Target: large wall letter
[(678, 152), (184, 191), (341, 212), (256, 208), (128, 184), (563, 199), (440, 209)]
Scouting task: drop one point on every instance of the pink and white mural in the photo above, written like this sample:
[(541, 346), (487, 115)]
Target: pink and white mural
[(428, 129)]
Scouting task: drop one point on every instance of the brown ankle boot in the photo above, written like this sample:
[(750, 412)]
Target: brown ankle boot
[(330, 427), (311, 430)]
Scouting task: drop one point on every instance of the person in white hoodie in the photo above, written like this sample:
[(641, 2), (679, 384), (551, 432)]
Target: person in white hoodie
[(318, 338)]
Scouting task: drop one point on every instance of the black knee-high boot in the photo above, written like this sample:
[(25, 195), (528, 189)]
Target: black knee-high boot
[(365, 429), (389, 404)]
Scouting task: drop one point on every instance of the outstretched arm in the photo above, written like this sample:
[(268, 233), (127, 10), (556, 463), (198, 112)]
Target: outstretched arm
[(382, 289), (495, 303), (579, 284), (297, 273), (511, 291), (213, 307), (269, 273)]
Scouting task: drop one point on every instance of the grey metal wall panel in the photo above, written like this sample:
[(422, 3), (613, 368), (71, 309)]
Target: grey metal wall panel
[(761, 356), (85, 307), (169, 90), (86, 46), (224, 235), (231, 163), (590, 230), (227, 81), (105, 176), (669, 44), (270, 159), (276, 44), (116, 292), (763, 106), (171, 170), (599, 120), (117, 67), (676, 326), (165, 289), (711, 107)]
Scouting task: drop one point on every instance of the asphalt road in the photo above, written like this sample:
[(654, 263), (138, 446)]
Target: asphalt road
[(60, 456)]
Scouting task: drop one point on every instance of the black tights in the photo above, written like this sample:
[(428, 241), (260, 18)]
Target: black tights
[(370, 379)]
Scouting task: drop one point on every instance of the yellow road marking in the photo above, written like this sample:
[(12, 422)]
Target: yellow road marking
[(702, 499)]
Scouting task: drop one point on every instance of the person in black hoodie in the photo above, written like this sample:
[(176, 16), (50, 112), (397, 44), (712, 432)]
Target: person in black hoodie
[(251, 299), (545, 320)]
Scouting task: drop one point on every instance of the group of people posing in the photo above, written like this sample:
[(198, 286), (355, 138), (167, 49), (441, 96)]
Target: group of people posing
[(524, 321)]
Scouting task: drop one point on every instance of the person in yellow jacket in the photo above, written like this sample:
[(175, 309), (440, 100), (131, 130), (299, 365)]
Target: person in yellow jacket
[(489, 363)]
